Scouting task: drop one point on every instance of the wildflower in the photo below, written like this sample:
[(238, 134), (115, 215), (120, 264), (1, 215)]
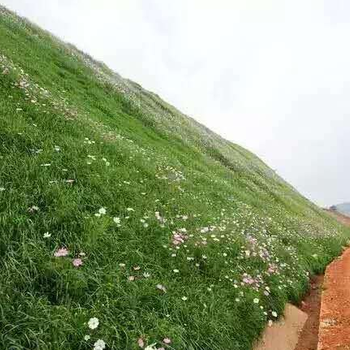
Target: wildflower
[(57, 148), (274, 313), (99, 345), (130, 209), (116, 220), (161, 287), (121, 265), (140, 342), (61, 252), (87, 337), (131, 278), (77, 262), (136, 268), (151, 347), (146, 275), (93, 323), (69, 181), (33, 208), (184, 298), (47, 235), (2, 189), (256, 301), (102, 211), (270, 323), (176, 271), (166, 340)]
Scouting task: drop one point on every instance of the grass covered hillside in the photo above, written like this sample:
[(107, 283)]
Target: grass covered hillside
[(124, 224)]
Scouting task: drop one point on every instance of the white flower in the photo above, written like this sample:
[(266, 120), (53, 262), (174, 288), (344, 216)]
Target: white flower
[(93, 323), (47, 235), (99, 345), (102, 211), (87, 337), (57, 148), (2, 189), (256, 301), (151, 347), (176, 271), (270, 323), (274, 313), (146, 274), (184, 298), (130, 209), (116, 220)]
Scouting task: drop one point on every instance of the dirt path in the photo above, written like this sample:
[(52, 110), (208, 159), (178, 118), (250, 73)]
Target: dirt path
[(320, 331), (335, 309), (334, 331)]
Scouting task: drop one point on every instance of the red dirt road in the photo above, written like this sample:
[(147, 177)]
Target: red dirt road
[(334, 331)]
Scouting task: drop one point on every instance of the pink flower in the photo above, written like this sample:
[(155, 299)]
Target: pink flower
[(140, 342), (77, 262), (61, 252), (166, 341)]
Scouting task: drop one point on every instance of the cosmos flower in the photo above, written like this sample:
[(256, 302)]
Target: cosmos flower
[(166, 340), (99, 345), (116, 220), (151, 347), (102, 211), (77, 262), (61, 252), (140, 342), (161, 287), (93, 323)]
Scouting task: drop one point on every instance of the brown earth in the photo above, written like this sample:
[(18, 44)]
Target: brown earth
[(334, 331)]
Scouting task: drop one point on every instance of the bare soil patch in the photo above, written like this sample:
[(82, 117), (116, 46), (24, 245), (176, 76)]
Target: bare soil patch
[(335, 308)]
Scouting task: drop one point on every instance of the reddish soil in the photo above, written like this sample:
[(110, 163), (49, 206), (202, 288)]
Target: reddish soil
[(335, 309), (308, 338), (334, 332), (328, 324)]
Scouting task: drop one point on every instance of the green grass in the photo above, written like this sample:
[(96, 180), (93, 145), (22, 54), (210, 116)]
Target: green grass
[(246, 233)]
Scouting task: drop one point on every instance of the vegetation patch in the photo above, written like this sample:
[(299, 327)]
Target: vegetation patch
[(124, 224)]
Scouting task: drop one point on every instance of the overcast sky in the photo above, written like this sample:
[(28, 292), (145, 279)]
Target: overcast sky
[(270, 75)]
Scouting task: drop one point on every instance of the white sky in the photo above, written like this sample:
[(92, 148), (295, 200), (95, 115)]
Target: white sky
[(270, 75)]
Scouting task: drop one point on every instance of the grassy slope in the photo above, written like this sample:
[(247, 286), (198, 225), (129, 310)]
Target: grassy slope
[(249, 235)]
